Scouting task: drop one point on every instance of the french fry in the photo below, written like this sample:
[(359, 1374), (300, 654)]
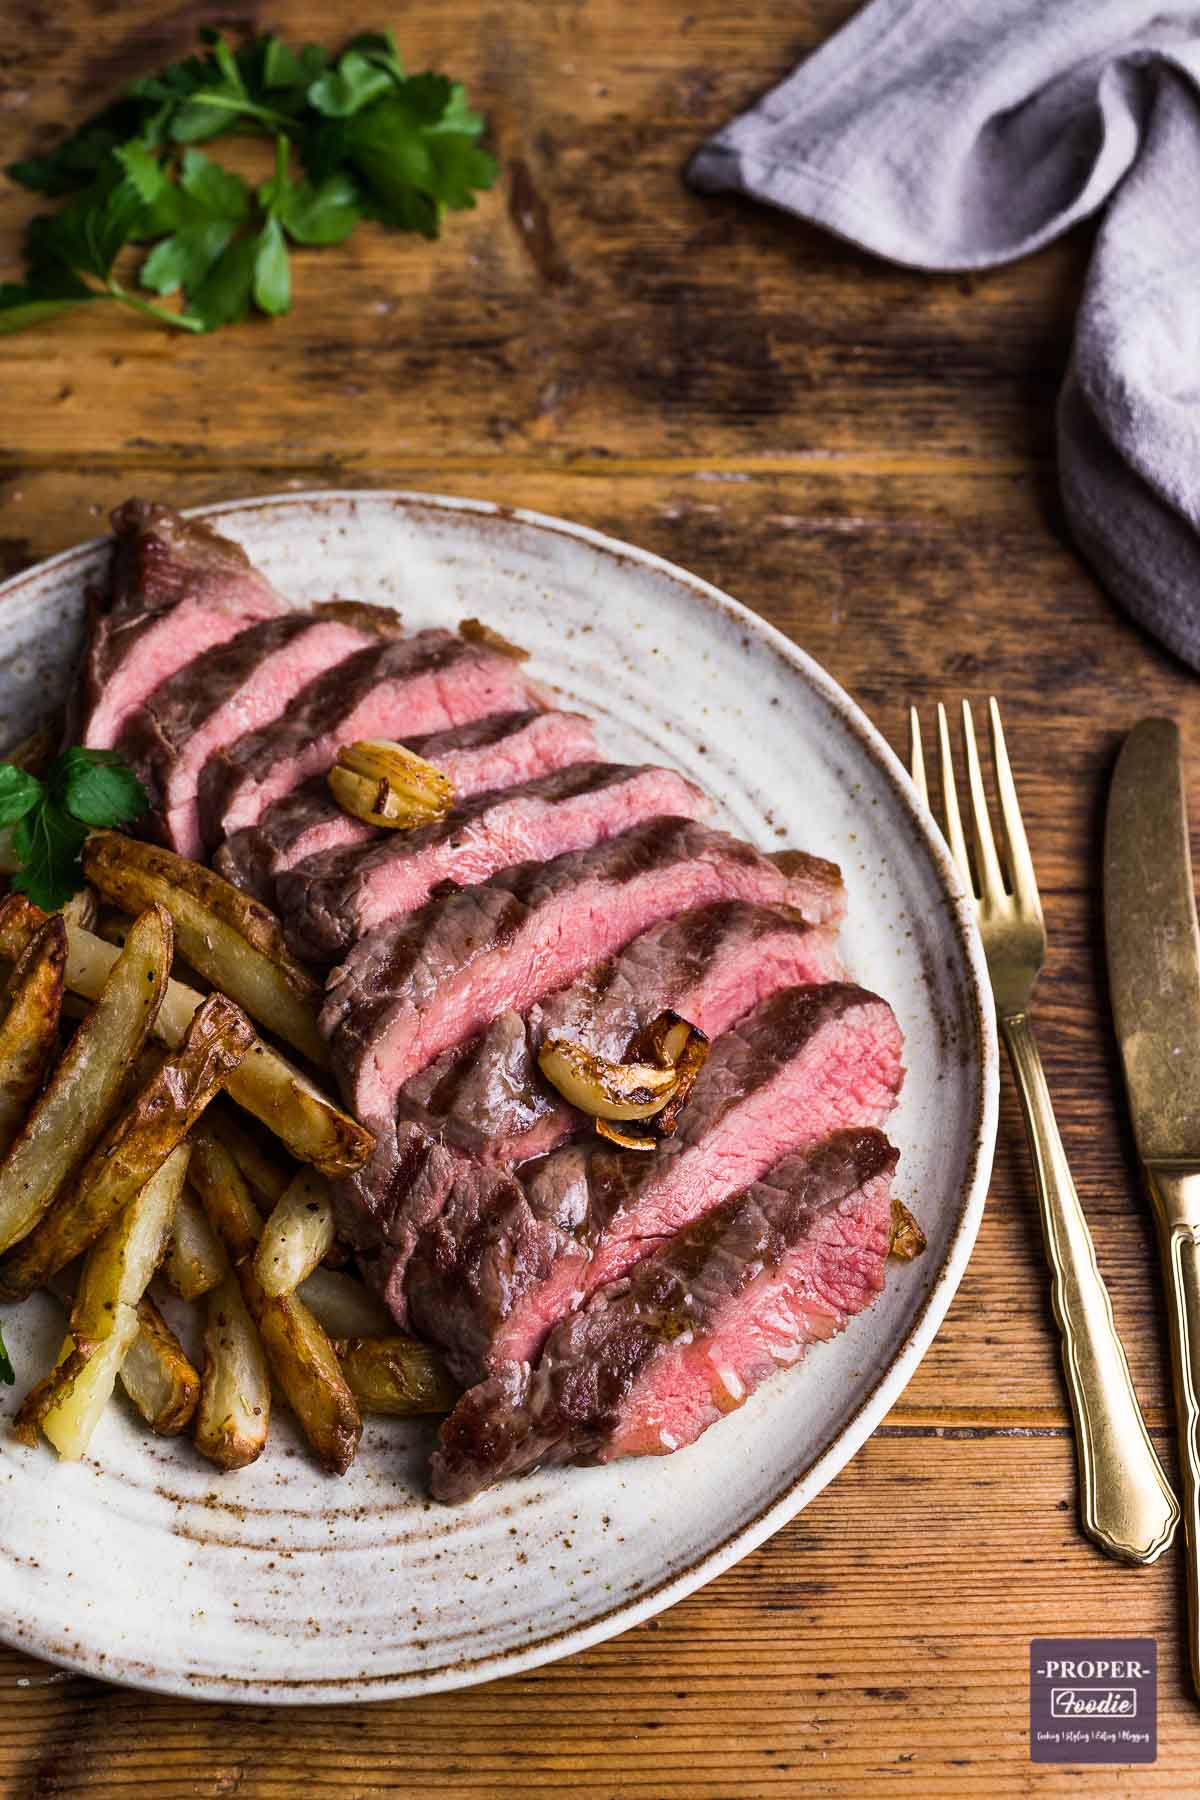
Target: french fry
[(195, 1262), (309, 1124), (29, 1031), (344, 1306), (134, 1147), (104, 1318), (232, 939), (300, 1355), (296, 1236), (157, 1375), (268, 1179), (234, 1412), (395, 1375), (75, 1107)]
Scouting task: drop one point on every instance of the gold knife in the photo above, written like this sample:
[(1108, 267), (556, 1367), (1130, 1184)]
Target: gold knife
[(1154, 975)]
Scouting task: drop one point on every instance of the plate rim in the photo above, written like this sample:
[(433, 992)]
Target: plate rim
[(823, 1468)]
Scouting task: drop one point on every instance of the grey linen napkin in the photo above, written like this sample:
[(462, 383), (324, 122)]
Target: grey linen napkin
[(955, 134)]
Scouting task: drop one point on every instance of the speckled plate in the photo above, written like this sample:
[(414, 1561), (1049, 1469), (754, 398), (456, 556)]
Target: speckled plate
[(280, 1584)]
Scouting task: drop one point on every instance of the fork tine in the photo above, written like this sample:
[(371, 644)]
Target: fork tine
[(1020, 862), (991, 878), (954, 830), (916, 755)]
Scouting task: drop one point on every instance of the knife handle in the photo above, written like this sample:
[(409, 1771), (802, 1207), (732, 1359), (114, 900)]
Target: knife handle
[(1176, 1195), (1128, 1507)]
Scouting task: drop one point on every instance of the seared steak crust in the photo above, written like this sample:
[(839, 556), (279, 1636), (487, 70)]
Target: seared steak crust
[(656, 1357)]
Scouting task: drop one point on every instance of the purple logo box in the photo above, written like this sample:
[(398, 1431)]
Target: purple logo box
[(1093, 1700)]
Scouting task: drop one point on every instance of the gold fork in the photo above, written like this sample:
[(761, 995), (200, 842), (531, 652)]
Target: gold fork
[(1128, 1507)]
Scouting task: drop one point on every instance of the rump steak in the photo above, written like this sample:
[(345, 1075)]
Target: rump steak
[(427, 682), (657, 1357), (497, 1267), (711, 965), (489, 753), (215, 699), (177, 588), (414, 987), (331, 900)]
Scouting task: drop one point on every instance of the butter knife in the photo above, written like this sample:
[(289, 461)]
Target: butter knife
[(1154, 974)]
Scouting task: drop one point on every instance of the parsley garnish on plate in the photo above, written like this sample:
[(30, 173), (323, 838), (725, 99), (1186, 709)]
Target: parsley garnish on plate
[(49, 820), (371, 143)]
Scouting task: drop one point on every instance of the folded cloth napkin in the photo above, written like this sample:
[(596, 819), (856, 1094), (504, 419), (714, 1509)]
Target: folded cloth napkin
[(955, 134)]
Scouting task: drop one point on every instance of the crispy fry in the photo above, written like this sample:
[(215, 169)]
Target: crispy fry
[(395, 1375), (134, 1147), (29, 1031), (232, 939), (296, 1236), (305, 1120), (76, 1106), (104, 1319), (195, 1262), (119, 1266), (268, 1178), (301, 1357), (157, 1376), (234, 1413), (344, 1306)]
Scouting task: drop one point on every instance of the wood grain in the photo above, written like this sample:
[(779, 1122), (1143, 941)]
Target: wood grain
[(864, 455)]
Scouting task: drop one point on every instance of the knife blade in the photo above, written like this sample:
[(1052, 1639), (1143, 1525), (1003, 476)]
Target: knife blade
[(1153, 949)]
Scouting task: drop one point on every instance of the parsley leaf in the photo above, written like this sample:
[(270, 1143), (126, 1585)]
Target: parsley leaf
[(19, 793), (51, 819), (7, 1373), (97, 787), (373, 141)]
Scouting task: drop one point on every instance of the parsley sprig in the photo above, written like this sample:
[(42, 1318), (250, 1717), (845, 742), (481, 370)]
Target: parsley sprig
[(370, 142), (50, 820)]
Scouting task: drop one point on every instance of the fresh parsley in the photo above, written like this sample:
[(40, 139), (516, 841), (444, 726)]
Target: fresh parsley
[(7, 1373), (370, 141), (49, 820)]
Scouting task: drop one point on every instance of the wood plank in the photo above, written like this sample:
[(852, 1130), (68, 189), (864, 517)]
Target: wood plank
[(882, 1638), (591, 303)]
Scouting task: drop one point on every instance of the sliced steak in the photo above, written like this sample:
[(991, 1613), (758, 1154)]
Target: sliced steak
[(711, 965), (215, 699), (428, 682), (331, 900), (496, 752), (413, 988), (177, 588), (657, 1357), (495, 1270)]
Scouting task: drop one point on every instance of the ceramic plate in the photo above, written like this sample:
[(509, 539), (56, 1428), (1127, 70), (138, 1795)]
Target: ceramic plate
[(280, 1584)]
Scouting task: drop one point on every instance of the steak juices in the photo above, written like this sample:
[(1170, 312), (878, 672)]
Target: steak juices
[(595, 1301)]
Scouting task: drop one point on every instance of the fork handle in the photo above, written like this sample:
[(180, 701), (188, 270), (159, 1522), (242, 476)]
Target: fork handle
[(1128, 1507)]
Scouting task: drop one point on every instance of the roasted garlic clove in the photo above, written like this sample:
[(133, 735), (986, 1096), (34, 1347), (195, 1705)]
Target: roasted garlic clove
[(652, 1085), (385, 784), (907, 1240)]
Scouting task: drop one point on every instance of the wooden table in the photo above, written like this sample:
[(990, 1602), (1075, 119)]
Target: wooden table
[(865, 455)]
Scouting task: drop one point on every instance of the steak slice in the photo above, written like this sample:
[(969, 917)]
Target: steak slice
[(414, 987), (216, 698), (428, 682), (496, 752), (711, 965), (657, 1357), (495, 1270), (331, 900), (177, 588)]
